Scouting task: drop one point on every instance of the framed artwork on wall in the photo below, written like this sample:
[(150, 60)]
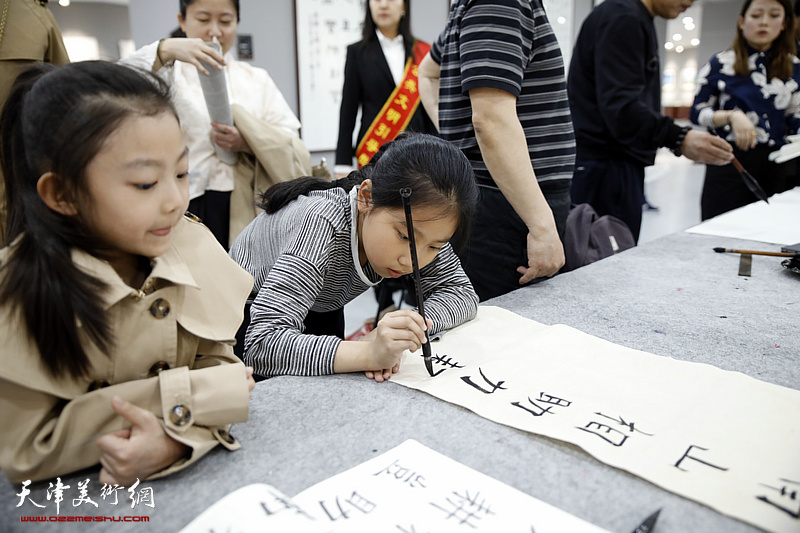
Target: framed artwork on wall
[(323, 31)]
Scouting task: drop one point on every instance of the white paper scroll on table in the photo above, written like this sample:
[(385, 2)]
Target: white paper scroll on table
[(409, 488), (776, 222), (721, 438)]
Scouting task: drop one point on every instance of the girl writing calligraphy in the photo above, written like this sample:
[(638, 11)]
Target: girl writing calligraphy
[(319, 244)]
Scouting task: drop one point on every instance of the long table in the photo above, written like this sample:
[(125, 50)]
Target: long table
[(673, 296)]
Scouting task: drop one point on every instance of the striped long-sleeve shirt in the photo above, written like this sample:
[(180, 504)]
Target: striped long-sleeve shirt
[(507, 45), (305, 257)]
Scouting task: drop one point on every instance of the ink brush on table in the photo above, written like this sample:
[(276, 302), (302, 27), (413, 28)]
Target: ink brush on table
[(721, 250), (426, 348), (748, 178), (746, 259)]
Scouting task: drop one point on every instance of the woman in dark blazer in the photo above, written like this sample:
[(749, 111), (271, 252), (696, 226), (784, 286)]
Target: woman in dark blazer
[(369, 79)]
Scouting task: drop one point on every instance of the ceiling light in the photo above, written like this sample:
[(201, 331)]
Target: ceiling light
[(679, 49), (668, 45), (64, 3), (695, 41), (677, 37)]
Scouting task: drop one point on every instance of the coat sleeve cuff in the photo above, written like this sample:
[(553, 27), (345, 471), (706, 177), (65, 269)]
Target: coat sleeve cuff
[(208, 397), (200, 441)]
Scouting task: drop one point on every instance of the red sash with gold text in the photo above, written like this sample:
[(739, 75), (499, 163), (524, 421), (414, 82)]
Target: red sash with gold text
[(396, 112)]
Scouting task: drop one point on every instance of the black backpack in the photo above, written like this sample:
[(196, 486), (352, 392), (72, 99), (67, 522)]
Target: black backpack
[(589, 237)]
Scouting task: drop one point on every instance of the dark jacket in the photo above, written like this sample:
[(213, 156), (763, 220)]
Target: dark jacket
[(368, 82), (614, 85)]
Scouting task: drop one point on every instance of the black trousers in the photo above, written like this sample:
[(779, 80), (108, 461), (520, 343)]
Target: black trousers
[(724, 190), (612, 187), (214, 209), (498, 245)]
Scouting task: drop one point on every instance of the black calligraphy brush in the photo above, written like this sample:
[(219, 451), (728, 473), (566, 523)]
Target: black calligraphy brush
[(749, 180), (426, 348), (720, 250)]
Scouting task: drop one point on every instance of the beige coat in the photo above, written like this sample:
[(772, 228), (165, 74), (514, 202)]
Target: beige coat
[(182, 323), (279, 156), (30, 34)]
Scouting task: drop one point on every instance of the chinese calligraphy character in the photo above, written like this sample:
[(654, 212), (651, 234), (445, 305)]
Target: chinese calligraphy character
[(495, 386), (464, 508), (83, 494), (687, 456), (786, 498), (446, 361), (622, 422), (403, 474), (144, 496), (411, 86), (108, 490), (57, 493), (372, 145), (283, 505), (393, 116), (538, 410), (356, 501), (605, 432), (382, 130), (402, 101), (147, 497), (440, 359), (24, 493)]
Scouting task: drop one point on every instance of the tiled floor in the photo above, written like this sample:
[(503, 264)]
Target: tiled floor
[(672, 185)]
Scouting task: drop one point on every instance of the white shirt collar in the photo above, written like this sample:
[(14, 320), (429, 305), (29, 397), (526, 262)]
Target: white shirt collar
[(354, 238), (395, 53), (385, 41)]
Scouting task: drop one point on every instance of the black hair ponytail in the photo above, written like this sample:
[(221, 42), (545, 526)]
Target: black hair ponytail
[(277, 196), (56, 120), (437, 172)]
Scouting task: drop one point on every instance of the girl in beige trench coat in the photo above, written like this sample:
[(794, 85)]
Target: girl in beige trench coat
[(117, 313)]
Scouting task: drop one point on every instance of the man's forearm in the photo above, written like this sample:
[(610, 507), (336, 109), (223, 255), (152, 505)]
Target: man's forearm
[(505, 151), (429, 88)]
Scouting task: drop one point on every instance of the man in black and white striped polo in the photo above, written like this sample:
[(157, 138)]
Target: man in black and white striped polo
[(495, 80)]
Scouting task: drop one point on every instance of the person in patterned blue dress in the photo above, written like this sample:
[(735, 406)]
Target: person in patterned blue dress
[(750, 94)]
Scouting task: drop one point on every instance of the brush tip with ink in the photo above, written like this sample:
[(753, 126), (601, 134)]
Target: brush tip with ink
[(649, 523)]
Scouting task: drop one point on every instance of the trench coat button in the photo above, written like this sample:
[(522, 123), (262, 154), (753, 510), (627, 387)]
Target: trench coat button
[(97, 384), (158, 367), (149, 285), (180, 415), (224, 435), (160, 308)]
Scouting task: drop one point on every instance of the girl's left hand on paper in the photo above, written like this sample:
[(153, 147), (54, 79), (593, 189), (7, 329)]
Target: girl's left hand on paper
[(138, 452), (382, 375), (229, 138), (251, 383)]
